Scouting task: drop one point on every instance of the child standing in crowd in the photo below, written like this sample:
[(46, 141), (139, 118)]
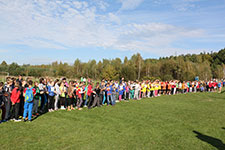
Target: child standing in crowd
[(7, 93), (96, 96), (51, 96), (41, 87), (102, 93), (57, 94), (62, 89), (29, 94), (15, 99), (109, 93), (113, 101), (89, 94), (220, 87), (36, 100), (70, 97), (2, 105), (132, 92), (120, 91), (127, 91), (80, 98), (136, 90)]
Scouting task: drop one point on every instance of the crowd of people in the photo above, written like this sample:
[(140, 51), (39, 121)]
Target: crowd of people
[(24, 100)]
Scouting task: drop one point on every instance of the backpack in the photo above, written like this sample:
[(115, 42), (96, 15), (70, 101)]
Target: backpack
[(29, 95)]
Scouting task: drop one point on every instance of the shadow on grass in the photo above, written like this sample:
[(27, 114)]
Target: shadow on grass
[(223, 128), (211, 140), (223, 91), (45, 111)]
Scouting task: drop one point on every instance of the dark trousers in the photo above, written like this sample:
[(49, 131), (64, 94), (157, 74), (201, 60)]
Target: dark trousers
[(35, 106), (15, 111), (42, 102), (3, 112), (51, 102), (90, 100), (7, 109), (101, 99), (127, 96), (21, 105), (151, 94), (96, 101), (69, 101), (62, 102)]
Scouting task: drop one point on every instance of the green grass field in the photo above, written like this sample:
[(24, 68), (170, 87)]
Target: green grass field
[(180, 122)]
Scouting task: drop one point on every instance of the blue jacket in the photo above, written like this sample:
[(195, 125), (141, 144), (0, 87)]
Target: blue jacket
[(51, 91)]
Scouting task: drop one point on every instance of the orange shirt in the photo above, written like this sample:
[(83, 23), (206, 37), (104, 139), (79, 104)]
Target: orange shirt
[(164, 86)]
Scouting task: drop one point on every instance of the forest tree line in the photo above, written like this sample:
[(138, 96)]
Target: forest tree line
[(182, 67)]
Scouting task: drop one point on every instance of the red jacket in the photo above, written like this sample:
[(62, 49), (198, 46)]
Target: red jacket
[(210, 84), (89, 90), (15, 95)]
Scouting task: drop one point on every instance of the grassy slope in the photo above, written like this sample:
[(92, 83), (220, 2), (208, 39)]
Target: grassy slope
[(166, 122)]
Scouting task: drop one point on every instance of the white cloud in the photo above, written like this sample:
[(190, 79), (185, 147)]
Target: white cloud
[(180, 5), (102, 5), (130, 4), (62, 24)]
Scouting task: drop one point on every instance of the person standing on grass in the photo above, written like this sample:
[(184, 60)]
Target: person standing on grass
[(42, 92), (136, 90), (113, 101), (120, 92), (148, 89), (80, 98), (58, 92), (29, 94), (51, 96), (156, 87), (62, 89), (132, 92), (22, 88), (85, 94), (102, 93), (164, 88), (36, 100), (169, 87), (127, 91), (143, 89), (88, 99), (219, 86), (180, 87), (96, 96), (7, 93), (107, 90), (15, 99), (109, 93), (70, 96), (2, 105)]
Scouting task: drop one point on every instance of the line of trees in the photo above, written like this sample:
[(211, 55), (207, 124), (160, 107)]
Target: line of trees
[(183, 67)]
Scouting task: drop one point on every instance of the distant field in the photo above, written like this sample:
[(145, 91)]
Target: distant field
[(180, 122)]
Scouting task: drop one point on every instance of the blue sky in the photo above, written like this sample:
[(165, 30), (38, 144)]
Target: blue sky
[(43, 31)]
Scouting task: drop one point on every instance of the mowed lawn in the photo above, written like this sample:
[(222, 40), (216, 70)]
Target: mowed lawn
[(180, 122)]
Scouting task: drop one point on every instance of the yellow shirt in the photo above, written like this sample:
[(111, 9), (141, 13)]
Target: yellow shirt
[(148, 87), (152, 87)]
